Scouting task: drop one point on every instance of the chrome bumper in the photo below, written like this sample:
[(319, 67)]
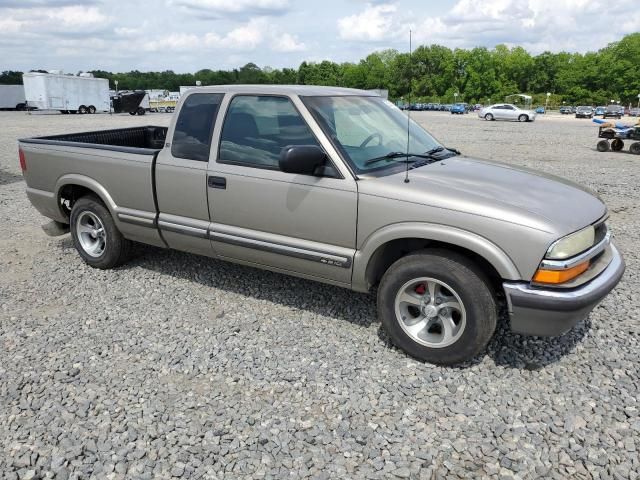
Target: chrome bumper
[(549, 312)]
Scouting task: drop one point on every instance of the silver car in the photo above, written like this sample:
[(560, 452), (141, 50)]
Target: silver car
[(507, 111), (316, 182)]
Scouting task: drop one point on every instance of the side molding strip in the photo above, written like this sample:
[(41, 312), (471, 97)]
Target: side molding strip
[(174, 227), (288, 250)]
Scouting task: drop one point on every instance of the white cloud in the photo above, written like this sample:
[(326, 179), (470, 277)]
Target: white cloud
[(175, 42), (287, 43), (377, 22), (248, 37), (235, 6), (70, 18), (537, 25)]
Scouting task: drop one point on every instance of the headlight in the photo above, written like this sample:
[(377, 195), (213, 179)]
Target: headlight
[(572, 244)]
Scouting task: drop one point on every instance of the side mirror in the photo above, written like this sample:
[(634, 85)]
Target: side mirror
[(302, 159)]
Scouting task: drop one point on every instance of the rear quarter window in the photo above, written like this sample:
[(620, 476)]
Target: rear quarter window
[(194, 126)]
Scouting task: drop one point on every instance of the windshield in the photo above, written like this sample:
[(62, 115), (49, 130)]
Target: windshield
[(363, 128)]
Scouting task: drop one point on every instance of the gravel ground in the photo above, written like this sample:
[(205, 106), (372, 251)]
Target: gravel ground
[(177, 365)]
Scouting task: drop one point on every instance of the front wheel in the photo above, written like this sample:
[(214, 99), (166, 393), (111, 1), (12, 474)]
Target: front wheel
[(523, 118), (437, 306), (91, 109), (488, 116), (95, 235), (603, 146), (635, 148), (82, 109)]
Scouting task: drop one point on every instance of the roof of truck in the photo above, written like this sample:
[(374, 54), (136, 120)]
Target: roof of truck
[(304, 90)]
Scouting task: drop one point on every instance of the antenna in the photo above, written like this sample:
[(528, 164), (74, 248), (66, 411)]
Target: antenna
[(406, 175)]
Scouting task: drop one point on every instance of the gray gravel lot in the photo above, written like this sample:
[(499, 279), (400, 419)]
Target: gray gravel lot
[(177, 365)]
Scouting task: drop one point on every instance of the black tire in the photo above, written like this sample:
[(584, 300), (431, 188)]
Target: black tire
[(489, 117), (116, 248), (465, 279), (635, 148), (132, 113), (141, 111), (617, 145), (603, 146), (82, 109), (21, 107), (523, 118), (91, 109), (64, 112)]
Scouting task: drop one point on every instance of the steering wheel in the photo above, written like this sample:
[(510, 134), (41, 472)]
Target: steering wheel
[(371, 137)]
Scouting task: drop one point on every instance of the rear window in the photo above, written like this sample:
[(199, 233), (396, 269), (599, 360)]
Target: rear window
[(194, 127)]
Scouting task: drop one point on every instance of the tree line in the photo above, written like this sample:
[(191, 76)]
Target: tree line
[(436, 73)]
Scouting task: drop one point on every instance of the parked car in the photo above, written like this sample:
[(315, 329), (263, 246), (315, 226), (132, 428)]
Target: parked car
[(458, 108), (612, 111), (540, 110), (265, 176), (507, 111), (634, 112), (622, 111), (565, 110), (599, 111), (584, 112)]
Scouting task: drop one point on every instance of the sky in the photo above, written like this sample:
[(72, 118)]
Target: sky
[(189, 35)]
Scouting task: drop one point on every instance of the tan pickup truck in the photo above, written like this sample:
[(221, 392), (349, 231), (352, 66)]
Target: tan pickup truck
[(318, 182)]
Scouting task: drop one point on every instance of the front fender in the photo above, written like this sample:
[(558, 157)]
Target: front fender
[(441, 233)]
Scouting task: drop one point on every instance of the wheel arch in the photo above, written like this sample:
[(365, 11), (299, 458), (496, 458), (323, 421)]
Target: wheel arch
[(388, 244), (73, 186)]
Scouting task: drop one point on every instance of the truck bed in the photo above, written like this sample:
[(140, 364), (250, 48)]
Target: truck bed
[(142, 140)]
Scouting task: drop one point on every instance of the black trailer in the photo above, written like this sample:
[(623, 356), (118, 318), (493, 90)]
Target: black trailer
[(128, 102)]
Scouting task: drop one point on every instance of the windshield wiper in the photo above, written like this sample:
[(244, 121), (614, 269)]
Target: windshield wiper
[(428, 155), (395, 155)]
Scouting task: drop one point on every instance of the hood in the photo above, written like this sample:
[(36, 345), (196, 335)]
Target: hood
[(490, 189)]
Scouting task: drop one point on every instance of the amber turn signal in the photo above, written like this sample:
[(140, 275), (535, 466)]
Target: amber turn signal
[(559, 276)]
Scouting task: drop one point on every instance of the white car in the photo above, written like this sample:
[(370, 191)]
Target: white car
[(506, 111)]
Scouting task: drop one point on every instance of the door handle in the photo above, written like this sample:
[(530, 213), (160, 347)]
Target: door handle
[(217, 182)]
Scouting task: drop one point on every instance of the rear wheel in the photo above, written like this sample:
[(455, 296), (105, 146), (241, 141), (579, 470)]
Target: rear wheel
[(82, 109), (523, 118), (488, 116), (603, 146), (437, 306), (95, 235), (635, 148), (140, 111), (91, 109), (617, 145)]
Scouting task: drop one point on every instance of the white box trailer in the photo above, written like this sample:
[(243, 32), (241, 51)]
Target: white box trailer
[(66, 93), (12, 97)]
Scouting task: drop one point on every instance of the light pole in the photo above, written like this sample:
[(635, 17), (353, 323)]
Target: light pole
[(546, 103)]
